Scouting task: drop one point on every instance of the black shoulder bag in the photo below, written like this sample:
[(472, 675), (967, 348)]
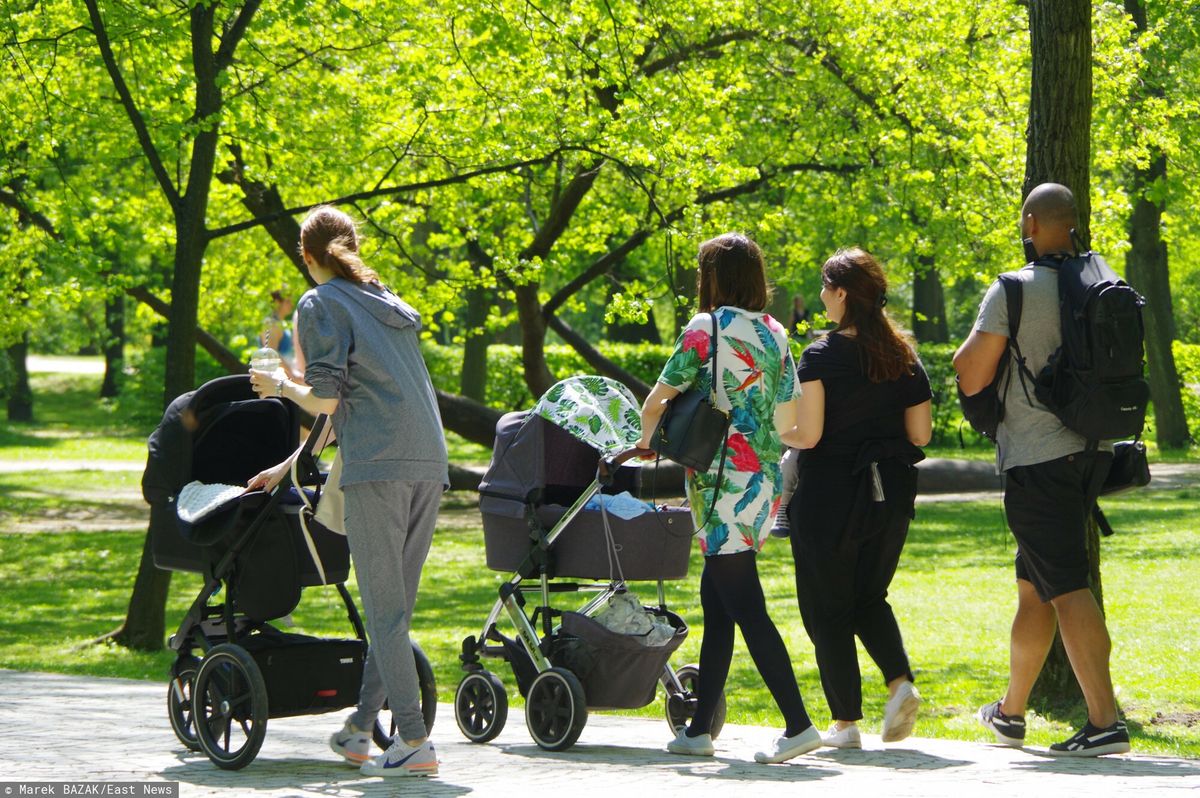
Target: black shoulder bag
[(692, 428)]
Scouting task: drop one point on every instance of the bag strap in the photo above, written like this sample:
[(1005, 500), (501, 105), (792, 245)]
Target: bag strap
[(1014, 295), (724, 443)]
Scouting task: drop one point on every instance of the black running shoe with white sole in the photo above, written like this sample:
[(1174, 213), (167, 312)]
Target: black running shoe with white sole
[(1009, 729), (1094, 741)]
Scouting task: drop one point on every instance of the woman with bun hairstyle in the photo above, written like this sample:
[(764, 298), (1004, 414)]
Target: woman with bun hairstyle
[(363, 366), (864, 411)]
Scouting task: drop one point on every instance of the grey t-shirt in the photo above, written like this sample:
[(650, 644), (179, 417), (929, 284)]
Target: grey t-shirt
[(1029, 433)]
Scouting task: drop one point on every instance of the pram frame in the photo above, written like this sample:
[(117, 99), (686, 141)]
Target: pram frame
[(679, 685)]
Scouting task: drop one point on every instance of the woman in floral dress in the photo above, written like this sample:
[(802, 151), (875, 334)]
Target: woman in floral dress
[(756, 375)]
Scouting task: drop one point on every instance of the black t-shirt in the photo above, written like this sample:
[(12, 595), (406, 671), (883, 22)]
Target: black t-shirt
[(857, 409)]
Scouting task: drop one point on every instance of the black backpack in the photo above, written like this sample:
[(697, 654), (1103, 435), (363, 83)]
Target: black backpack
[(1095, 381), (985, 410)]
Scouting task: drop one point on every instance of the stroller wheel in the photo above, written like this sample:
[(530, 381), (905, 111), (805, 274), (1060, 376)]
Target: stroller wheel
[(179, 701), (555, 709), (480, 706), (383, 735), (682, 706), (229, 700)]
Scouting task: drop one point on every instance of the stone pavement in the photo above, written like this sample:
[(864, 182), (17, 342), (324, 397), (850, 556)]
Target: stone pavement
[(73, 728)]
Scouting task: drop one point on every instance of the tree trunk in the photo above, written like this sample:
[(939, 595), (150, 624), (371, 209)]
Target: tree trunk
[(473, 384), (1147, 269), (1058, 150), (114, 345), (20, 395), (533, 339), (144, 628), (929, 303), (1058, 138)]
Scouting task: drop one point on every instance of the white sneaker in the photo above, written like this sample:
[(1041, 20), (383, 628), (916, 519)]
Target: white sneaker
[(700, 745), (848, 737), (402, 759), (900, 713), (787, 747), (351, 743)]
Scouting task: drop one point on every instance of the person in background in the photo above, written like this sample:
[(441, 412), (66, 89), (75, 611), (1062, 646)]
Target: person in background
[(756, 377), (801, 319), (277, 332), (364, 362), (865, 408)]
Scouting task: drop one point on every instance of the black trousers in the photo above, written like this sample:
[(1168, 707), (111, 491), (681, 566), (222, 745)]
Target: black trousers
[(841, 584), (730, 593)]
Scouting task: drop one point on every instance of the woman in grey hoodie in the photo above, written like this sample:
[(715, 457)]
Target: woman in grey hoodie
[(364, 368)]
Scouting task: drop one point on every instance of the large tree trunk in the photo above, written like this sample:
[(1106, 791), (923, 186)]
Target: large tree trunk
[(1146, 267), (1059, 139), (929, 303), (20, 395), (1058, 150), (473, 384), (114, 345)]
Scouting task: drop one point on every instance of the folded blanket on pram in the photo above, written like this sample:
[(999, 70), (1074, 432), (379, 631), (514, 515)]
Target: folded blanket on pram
[(626, 615), (197, 501), (623, 505)]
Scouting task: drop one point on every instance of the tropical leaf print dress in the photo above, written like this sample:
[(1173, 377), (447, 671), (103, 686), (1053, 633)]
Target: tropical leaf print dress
[(756, 374)]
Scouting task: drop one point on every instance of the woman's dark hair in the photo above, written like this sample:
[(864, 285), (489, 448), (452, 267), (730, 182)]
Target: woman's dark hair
[(329, 235), (886, 354), (731, 273)]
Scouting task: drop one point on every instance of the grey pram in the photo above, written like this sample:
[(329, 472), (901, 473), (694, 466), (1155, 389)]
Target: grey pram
[(547, 464)]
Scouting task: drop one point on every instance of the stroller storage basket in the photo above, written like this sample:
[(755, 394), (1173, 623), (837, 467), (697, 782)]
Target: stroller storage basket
[(617, 671), (651, 546), (307, 675)]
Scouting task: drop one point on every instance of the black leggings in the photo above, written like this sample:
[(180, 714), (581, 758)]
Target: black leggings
[(730, 593)]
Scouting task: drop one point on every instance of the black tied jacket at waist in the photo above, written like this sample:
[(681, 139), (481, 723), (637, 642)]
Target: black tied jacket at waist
[(835, 500)]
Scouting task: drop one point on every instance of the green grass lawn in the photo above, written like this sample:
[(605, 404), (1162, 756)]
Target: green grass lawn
[(64, 581), (953, 596)]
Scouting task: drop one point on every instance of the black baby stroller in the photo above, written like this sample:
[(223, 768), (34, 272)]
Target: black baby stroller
[(262, 549), (548, 463)]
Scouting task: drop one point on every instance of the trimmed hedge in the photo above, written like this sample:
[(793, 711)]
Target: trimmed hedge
[(506, 385)]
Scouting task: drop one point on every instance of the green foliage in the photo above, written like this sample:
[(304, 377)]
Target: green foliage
[(506, 389), (141, 397), (1187, 362)]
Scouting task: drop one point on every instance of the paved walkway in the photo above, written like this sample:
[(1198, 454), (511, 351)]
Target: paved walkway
[(62, 728)]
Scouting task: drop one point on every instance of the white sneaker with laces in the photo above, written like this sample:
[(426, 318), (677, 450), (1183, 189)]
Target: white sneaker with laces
[(849, 737), (900, 713), (402, 759), (700, 745), (785, 748), (351, 743)]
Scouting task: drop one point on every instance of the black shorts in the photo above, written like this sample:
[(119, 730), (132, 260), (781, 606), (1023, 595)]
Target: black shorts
[(1047, 508)]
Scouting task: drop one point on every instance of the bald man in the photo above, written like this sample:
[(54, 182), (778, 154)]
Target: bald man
[(1048, 481)]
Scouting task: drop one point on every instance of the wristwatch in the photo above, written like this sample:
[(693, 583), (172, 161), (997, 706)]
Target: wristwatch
[(279, 388)]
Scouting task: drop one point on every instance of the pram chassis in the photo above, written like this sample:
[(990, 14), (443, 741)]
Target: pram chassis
[(556, 706)]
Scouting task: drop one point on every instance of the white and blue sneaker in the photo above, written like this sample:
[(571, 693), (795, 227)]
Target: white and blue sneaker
[(402, 759), (351, 743)]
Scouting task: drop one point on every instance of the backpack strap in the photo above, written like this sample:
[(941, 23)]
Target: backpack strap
[(1014, 296)]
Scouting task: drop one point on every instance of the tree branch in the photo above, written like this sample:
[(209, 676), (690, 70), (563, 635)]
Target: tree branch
[(597, 360), (214, 347), (26, 213), (383, 192), (131, 110), (233, 35)]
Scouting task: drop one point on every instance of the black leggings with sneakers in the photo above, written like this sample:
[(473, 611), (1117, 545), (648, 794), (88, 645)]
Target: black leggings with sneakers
[(730, 594)]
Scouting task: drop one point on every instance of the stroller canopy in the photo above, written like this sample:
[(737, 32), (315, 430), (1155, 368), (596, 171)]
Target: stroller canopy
[(549, 454), (596, 410)]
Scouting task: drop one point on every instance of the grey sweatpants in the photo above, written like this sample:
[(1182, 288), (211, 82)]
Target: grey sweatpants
[(390, 527)]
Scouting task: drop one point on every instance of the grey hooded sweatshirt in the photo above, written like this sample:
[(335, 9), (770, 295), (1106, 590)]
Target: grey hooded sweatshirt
[(361, 347)]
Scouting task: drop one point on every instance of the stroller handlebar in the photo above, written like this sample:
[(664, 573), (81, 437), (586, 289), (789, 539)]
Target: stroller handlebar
[(609, 465)]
